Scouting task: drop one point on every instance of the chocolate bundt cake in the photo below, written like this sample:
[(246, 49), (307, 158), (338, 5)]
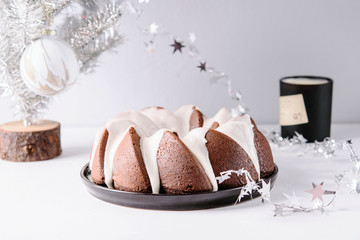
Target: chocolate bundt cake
[(157, 151)]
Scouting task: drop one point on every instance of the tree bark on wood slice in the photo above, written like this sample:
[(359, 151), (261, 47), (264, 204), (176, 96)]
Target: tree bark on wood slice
[(32, 143)]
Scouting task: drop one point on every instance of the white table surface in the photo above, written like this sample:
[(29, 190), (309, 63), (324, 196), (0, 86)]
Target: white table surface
[(47, 200)]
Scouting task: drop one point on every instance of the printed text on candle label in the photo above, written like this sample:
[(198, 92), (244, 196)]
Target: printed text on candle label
[(292, 110)]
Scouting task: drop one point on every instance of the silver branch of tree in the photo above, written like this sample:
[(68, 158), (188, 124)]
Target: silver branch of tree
[(21, 22)]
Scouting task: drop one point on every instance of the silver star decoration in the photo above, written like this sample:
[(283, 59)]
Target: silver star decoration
[(298, 138), (348, 146), (326, 148), (265, 191), (243, 193), (226, 174), (293, 200), (275, 138), (339, 177), (355, 185), (248, 188), (222, 178), (357, 167), (319, 205), (279, 210), (153, 28), (353, 156), (192, 37), (251, 186)]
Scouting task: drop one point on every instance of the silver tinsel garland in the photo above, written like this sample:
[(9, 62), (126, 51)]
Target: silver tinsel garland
[(22, 21), (93, 35), (58, 6)]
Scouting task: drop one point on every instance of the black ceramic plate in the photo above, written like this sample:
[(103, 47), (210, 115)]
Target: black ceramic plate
[(166, 201)]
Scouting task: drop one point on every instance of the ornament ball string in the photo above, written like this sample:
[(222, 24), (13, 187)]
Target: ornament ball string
[(56, 67), (48, 12)]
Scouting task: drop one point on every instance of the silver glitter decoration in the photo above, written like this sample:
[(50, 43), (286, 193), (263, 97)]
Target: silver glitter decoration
[(355, 184), (353, 156), (59, 5), (93, 35), (292, 203), (249, 187), (279, 209), (21, 22), (326, 148), (89, 4), (352, 176), (264, 191), (339, 177), (275, 138)]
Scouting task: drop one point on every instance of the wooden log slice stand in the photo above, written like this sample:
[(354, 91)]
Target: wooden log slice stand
[(33, 143)]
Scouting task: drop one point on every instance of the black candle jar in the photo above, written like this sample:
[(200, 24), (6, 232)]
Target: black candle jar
[(305, 106)]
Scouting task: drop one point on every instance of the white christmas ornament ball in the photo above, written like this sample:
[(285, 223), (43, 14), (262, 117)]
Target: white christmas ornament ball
[(48, 66)]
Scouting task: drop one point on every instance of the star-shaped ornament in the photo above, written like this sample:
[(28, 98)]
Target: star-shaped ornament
[(319, 205), (357, 167), (202, 66), (177, 46), (339, 177), (222, 178), (265, 191), (317, 191), (192, 37), (153, 28), (292, 201), (278, 210), (300, 138), (354, 181), (248, 188), (355, 185), (242, 194)]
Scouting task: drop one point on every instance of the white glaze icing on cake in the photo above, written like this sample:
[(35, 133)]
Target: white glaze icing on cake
[(196, 143), (163, 118), (240, 129), (184, 114), (117, 129), (222, 116), (151, 127), (95, 145), (140, 120), (149, 147)]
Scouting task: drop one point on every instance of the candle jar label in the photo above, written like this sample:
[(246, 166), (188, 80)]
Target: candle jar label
[(292, 110)]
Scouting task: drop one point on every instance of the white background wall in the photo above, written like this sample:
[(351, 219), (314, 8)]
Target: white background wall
[(256, 42)]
